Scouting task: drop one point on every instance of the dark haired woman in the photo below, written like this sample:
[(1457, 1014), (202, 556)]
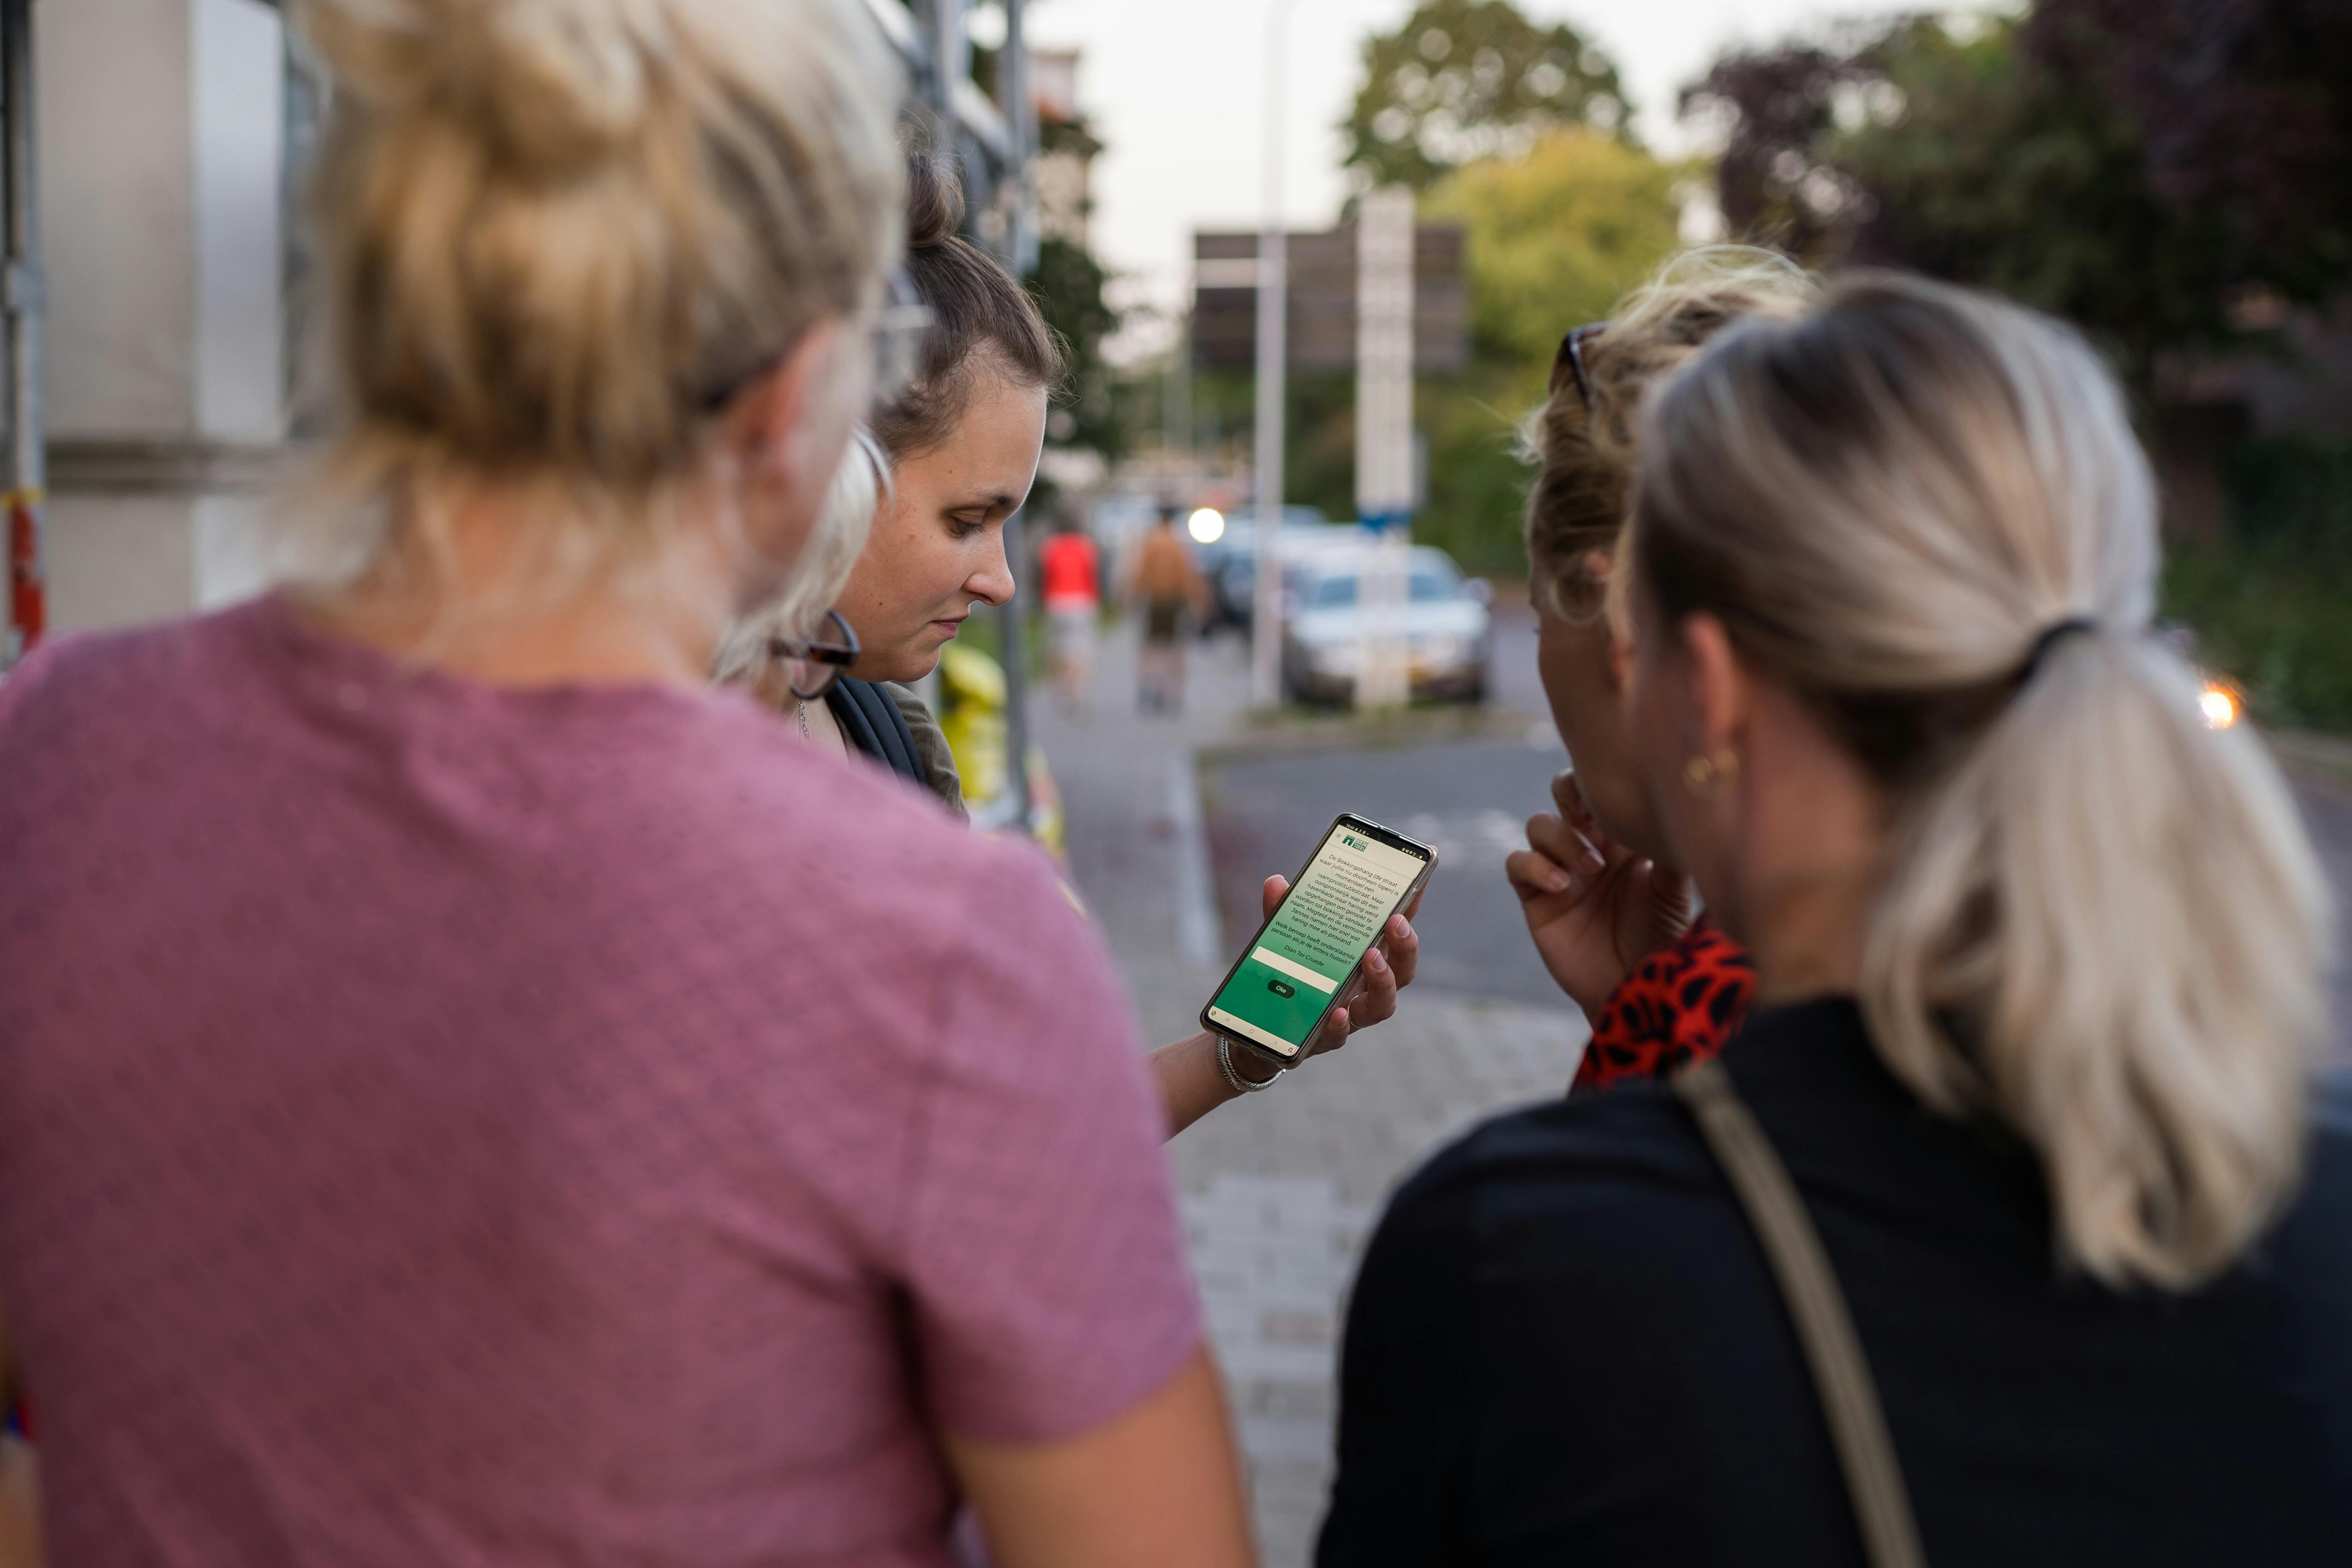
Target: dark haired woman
[(962, 441)]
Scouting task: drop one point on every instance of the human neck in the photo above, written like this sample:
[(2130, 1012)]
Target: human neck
[(1804, 929), (1815, 859), (485, 616)]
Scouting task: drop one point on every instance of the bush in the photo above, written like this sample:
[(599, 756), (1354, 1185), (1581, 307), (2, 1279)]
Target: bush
[(2271, 603)]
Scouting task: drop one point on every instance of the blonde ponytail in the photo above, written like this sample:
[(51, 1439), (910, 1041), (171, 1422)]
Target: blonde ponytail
[(2100, 921)]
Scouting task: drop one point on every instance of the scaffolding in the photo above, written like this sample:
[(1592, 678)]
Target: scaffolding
[(992, 149), (21, 301)]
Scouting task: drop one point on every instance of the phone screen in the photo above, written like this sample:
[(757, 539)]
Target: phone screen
[(1291, 974)]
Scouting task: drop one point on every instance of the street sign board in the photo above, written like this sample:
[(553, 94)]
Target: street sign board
[(1321, 317)]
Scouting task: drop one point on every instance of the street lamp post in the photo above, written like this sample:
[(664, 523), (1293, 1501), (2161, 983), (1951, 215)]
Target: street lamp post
[(1273, 347)]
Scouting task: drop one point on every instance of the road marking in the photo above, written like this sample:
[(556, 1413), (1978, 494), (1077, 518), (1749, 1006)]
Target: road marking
[(1196, 912)]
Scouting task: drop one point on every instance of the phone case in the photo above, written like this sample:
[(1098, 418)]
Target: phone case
[(1346, 991)]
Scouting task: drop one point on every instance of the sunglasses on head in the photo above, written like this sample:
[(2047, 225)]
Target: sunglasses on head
[(1570, 360)]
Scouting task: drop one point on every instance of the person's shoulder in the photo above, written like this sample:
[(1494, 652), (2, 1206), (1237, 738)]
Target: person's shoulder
[(880, 842), (89, 683), (1595, 1158)]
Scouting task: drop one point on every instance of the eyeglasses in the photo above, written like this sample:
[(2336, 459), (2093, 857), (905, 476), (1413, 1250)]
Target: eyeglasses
[(1570, 358), (816, 664)]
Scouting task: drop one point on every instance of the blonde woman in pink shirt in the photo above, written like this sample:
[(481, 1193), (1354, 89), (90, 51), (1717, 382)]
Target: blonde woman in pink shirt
[(472, 1094)]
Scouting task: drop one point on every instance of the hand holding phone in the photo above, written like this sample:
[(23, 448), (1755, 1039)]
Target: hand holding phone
[(1308, 957), (1389, 968)]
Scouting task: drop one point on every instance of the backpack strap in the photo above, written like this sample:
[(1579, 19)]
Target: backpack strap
[(874, 727), (1873, 1478)]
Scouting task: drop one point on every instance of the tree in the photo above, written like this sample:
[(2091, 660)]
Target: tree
[(2071, 160), (1068, 285), (2243, 115), (1554, 238), (1464, 79)]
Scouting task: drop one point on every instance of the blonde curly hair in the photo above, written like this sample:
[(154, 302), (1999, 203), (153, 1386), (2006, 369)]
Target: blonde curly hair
[(1585, 454)]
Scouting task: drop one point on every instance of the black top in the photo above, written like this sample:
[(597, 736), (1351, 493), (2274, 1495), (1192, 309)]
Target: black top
[(1565, 1348)]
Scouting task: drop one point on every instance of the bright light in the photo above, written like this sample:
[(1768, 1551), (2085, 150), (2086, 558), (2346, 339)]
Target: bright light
[(2220, 707), (1207, 525)]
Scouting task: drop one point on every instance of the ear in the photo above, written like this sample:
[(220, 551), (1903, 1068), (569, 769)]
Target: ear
[(1720, 689), (769, 426)]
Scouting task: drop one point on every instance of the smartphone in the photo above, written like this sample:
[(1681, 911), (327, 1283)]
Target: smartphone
[(1306, 959)]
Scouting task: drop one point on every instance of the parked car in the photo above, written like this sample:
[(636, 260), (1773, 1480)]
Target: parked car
[(1231, 563), (1444, 621)]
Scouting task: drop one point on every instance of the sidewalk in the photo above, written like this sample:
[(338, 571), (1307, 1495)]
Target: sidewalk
[(1280, 1190)]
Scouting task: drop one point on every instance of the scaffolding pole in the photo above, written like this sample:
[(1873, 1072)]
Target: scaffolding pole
[(22, 298), (1013, 68)]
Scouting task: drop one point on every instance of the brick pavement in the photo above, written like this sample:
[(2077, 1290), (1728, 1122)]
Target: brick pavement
[(1279, 1190)]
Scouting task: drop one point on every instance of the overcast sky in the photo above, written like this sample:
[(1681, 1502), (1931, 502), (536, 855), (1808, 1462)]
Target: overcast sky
[(1174, 89)]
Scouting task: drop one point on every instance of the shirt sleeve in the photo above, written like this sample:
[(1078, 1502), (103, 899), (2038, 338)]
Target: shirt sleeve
[(1408, 1391), (1044, 1253)]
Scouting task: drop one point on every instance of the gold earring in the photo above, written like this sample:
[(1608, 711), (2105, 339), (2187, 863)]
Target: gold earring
[(1703, 773)]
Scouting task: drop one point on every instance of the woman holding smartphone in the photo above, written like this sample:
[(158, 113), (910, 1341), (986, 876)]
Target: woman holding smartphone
[(958, 449), (468, 1091)]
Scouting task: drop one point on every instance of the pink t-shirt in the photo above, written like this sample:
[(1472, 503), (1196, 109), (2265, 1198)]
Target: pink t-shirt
[(447, 1125)]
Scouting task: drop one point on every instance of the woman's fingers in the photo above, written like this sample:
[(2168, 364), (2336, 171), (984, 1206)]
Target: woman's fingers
[(1399, 949), (1563, 846), (1534, 875), (1271, 894), (1376, 1001), (1569, 799), (1577, 813)]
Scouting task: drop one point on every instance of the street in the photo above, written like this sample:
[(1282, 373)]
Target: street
[(1171, 825)]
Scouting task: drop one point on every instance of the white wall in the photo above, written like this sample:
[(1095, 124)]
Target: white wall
[(113, 93), (162, 136), (238, 116)]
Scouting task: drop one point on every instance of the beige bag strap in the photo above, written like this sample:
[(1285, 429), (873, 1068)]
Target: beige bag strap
[(1890, 1538)]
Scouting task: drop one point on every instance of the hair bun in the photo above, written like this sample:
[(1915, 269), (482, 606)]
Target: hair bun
[(554, 84), (934, 202)]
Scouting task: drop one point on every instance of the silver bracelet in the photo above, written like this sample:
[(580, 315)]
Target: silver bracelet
[(1240, 1085)]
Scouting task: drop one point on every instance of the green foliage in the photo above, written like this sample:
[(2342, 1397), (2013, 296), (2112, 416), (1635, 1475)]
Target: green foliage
[(1554, 239), (2269, 603), (1466, 80), (1068, 285), (2000, 153), (2003, 175)]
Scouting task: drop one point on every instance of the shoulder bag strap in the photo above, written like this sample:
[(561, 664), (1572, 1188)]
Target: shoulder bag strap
[(1890, 1537)]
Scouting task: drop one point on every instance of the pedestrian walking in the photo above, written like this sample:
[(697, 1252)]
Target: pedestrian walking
[(1166, 585), (470, 1093), (1072, 570), (2011, 1227)]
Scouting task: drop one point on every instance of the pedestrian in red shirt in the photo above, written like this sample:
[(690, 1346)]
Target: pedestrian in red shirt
[(1073, 573), (1616, 920)]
